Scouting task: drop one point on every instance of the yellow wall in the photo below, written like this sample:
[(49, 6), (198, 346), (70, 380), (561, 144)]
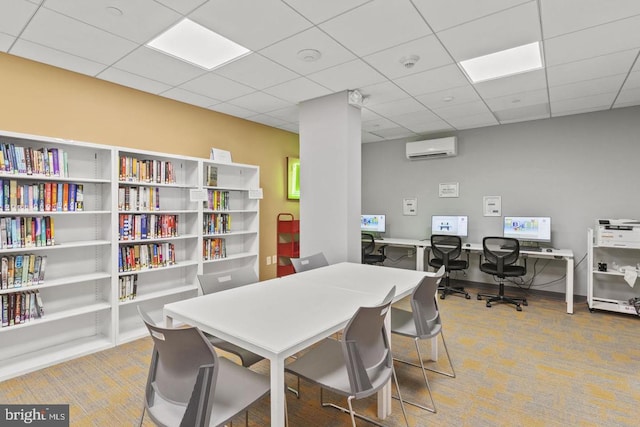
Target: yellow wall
[(45, 100)]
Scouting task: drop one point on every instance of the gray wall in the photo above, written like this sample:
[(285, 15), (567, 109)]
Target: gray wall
[(575, 169)]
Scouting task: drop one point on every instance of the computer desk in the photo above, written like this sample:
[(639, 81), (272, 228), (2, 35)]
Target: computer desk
[(422, 246)]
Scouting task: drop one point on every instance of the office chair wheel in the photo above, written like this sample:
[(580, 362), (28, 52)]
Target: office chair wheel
[(518, 308), (443, 295), (479, 297), (467, 296), (488, 304), (525, 303)]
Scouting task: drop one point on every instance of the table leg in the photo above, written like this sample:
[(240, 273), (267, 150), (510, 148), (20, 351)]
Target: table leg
[(384, 395), (277, 392), (420, 258), (569, 290)]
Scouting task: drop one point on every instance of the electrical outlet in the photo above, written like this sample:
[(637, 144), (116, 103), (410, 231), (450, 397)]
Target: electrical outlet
[(274, 259), (268, 260), (409, 253)]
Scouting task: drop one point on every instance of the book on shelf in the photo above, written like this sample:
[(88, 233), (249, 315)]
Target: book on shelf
[(212, 175)]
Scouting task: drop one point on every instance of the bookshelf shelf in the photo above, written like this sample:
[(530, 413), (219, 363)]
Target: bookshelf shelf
[(160, 239), (60, 315), (177, 265), (160, 294)]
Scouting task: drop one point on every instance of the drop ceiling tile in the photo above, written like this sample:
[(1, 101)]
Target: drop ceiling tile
[(601, 101), (232, 110), (140, 21), (298, 90), (259, 101), (5, 42), (288, 114), (467, 109), (182, 6), (397, 108), (523, 113), (253, 24), (628, 97), (428, 50), (503, 30), (561, 17), (435, 80), (376, 26), (394, 133), (59, 32), (244, 69), (578, 111), (217, 87), (319, 11), (441, 99), (151, 64), (518, 100), (369, 137), (633, 81), (189, 97), (591, 68), (430, 127), (381, 92), (267, 120), (124, 78), (350, 75), (440, 14), (14, 17), (367, 115), (587, 88), (290, 127), (475, 121), (596, 41), (524, 82), (286, 51), (417, 117), (378, 124), (46, 55)]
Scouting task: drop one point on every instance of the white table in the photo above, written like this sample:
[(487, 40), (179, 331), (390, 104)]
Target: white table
[(279, 317)]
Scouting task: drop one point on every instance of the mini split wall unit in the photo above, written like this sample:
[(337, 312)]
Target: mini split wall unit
[(432, 148)]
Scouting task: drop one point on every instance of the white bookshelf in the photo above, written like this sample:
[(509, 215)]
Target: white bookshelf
[(83, 312)]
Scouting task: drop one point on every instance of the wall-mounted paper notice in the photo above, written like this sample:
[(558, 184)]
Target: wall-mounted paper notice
[(220, 156), (255, 193)]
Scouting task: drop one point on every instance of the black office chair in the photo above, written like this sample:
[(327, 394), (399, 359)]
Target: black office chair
[(446, 250), (369, 253), (500, 257)]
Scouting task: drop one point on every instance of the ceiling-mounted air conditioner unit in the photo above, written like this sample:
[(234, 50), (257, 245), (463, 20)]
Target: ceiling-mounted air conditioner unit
[(432, 148)]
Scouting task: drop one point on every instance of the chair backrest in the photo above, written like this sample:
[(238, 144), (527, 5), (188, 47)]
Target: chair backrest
[(365, 346), (424, 304), (501, 251), (445, 247), (309, 262), (178, 375), (215, 282), (368, 244)]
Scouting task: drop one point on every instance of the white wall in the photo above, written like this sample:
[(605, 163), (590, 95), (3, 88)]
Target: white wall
[(575, 169)]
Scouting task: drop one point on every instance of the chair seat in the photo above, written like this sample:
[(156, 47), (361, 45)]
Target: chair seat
[(402, 323), (324, 365), (508, 271), (247, 357), (456, 264)]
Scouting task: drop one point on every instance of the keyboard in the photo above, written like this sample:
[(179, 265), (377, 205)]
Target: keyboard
[(531, 248)]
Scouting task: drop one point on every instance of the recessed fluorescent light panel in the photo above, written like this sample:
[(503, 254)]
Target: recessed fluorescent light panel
[(505, 63), (197, 45)]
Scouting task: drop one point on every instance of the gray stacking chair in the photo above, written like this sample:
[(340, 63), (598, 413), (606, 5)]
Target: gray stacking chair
[(358, 365), (189, 385), (422, 323), (210, 283), (309, 262)]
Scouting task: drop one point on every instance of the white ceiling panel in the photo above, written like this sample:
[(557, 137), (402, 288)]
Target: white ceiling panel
[(368, 115), (468, 122), (124, 78), (591, 68), (583, 104), (350, 75), (468, 109), (628, 98), (369, 137), (59, 59), (633, 81), (428, 50), (267, 120), (260, 101), (6, 41), (518, 100), (253, 24), (298, 90), (381, 92), (232, 110), (430, 127), (62, 33), (378, 124), (319, 11), (139, 21), (244, 70), (286, 51), (446, 98), (150, 63), (217, 87), (524, 82), (442, 14), (418, 117), (14, 17), (435, 80), (394, 133), (397, 108), (586, 87), (596, 41), (377, 25), (524, 113), (182, 6), (189, 97), (513, 27), (288, 114), (560, 17)]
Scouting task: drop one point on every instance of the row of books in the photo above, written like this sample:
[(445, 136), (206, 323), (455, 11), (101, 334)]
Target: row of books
[(217, 200), (147, 226), (26, 232), (216, 223), (41, 197), (22, 270), (153, 255), (21, 307), (33, 161), (138, 198), (214, 249), (128, 287), (133, 169)]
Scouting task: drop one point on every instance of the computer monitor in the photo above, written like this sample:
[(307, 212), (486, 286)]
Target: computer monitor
[(373, 223), (528, 228), (454, 225)]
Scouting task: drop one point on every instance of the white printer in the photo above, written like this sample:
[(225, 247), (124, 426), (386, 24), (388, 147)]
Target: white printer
[(622, 233)]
